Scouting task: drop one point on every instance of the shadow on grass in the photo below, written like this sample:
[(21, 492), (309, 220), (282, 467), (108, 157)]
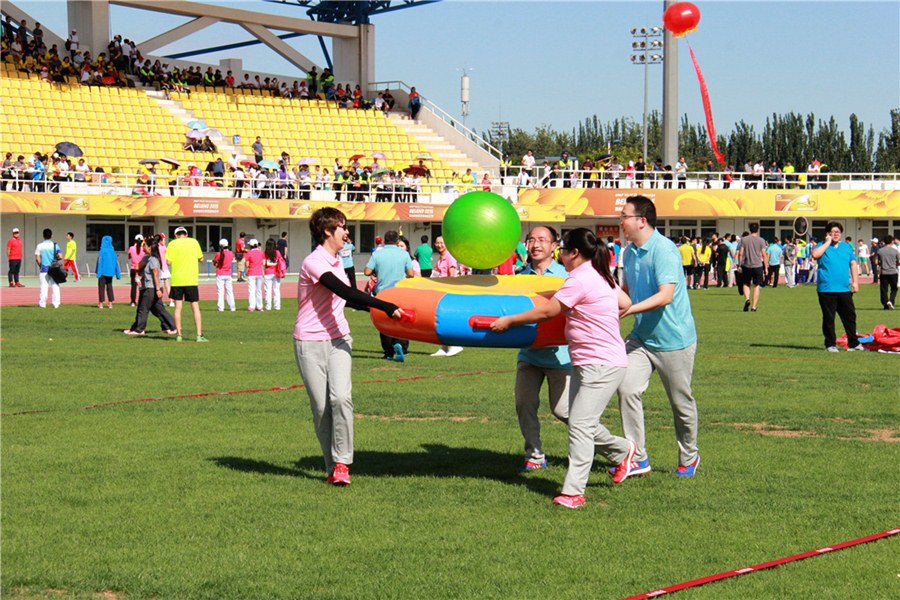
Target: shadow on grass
[(786, 347), (437, 460)]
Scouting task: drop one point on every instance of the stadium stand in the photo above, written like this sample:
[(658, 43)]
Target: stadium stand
[(116, 127)]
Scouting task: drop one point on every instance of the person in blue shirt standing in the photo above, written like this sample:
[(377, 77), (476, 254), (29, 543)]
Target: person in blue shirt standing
[(664, 338), (774, 252), (534, 365), (346, 254), (44, 254), (838, 280), (390, 265)]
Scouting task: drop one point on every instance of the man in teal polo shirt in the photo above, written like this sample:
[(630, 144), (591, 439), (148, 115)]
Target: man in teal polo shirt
[(837, 282), (534, 365), (390, 265), (664, 338)]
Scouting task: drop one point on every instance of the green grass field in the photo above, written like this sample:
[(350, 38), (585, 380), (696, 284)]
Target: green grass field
[(222, 496)]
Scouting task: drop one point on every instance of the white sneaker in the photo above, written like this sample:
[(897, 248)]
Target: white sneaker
[(440, 352), (454, 350), (171, 303), (832, 349)]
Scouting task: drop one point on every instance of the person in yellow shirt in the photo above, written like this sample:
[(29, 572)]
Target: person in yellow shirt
[(688, 259), (71, 259), (468, 181), (704, 257)]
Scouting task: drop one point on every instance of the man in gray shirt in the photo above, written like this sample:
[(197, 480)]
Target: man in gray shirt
[(751, 256), (889, 258)]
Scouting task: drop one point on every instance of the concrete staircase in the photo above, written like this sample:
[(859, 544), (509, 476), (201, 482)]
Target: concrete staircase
[(437, 145), (176, 108)]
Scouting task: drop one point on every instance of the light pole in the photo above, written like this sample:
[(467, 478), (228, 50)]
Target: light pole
[(648, 47)]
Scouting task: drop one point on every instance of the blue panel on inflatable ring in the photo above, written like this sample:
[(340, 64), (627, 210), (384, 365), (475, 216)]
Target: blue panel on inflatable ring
[(453, 327)]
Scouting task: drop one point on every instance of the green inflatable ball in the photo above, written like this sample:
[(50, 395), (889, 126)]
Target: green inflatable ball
[(481, 229)]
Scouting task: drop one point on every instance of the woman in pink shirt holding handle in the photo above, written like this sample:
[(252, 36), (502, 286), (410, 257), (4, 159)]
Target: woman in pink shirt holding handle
[(322, 342), (592, 302)]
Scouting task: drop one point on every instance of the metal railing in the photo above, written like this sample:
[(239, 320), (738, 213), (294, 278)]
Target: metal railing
[(431, 190), (441, 114)]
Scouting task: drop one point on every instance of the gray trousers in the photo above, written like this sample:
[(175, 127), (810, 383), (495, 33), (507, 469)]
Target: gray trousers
[(591, 389), (789, 275), (529, 379), (675, 370), (325, 368)]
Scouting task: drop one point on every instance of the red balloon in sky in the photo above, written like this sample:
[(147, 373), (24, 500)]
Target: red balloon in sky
[(681, 18)]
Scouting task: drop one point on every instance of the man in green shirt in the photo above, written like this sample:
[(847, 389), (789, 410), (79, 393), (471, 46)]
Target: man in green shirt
[(184, 255), (423, 255)]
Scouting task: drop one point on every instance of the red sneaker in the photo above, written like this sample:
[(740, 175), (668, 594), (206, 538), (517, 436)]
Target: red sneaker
[(623, 469), (340, 475), (19, 284), (569, 501)]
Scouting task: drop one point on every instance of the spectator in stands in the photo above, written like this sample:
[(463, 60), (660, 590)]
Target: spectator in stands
[(312, 82), (82, 171), (6, 172), (229, 79), (388, 100), (326, 83), (246, 82), (257, 148), (415, 103), (207, 145)]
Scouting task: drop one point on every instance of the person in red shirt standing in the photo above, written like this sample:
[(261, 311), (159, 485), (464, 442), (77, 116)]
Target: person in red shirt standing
[(14, 255), (255, 274), (239, 248)]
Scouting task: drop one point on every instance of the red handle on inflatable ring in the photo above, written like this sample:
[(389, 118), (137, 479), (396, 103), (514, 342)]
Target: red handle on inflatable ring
[(481, 321), (409, 316)]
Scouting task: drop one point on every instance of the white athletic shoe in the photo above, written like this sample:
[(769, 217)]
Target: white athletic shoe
[(440, 352), (454, 350)]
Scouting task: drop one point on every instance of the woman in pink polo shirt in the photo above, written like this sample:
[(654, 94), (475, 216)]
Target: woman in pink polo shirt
[(446, 266), (254, 258), (322, 342), (591, 301), (135, 255)]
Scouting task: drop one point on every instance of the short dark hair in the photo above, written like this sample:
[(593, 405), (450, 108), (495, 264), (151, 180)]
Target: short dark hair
[(284, 234), (832, 224), (643, 207), (391, 236), (48, 233), (754, 227), (323, 221), (70, 233), (424, 239)]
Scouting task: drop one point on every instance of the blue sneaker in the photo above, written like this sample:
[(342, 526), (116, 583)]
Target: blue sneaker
[(637, 468), (688, 470), (398, 353), (531, 465)]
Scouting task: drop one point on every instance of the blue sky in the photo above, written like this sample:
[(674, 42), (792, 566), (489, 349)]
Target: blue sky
[(557, 63)]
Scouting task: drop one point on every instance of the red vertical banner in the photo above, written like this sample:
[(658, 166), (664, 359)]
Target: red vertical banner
[(707, 109)]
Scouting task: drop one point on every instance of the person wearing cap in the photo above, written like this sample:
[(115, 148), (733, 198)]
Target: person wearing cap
[(135, 254), (224, 290), (255, 274), (45, 254), (873, 252), (184, 256), (14, 256), (322, 342), (379, 244)]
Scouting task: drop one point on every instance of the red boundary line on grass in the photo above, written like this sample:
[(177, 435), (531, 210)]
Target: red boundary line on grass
[(274, 389), (761, 566)]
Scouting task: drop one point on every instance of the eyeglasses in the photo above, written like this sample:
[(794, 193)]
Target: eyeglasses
[(540, 239), (622, 217)]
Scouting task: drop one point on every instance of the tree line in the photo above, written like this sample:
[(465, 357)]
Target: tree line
[(790, 137)]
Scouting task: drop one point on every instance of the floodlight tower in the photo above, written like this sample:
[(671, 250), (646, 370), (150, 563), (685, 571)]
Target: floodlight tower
[(464, 94), (646, 40)]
